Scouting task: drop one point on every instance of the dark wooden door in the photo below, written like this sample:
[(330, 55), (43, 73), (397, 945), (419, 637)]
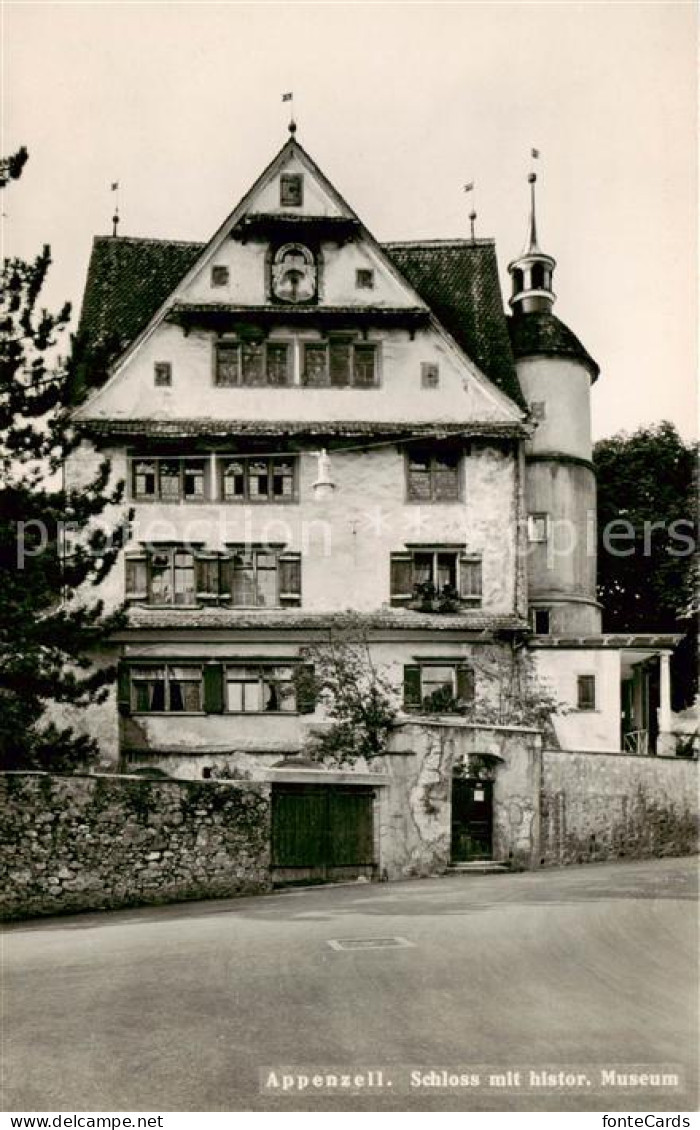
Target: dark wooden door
[(472, 819), (321, 833)]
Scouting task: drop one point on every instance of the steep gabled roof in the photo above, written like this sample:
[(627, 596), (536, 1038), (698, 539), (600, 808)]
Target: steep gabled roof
[(458, 279), (543, 334), (129, 279)]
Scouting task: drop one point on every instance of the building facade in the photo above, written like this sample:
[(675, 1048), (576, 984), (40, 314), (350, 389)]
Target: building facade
[(315, 428)]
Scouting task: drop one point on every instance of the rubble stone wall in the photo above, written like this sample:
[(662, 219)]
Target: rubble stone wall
[(96, 842), (598, 806)]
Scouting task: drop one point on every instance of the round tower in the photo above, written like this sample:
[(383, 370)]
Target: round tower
[(556, 374)]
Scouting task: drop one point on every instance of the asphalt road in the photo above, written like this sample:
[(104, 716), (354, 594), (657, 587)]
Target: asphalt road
[(578, 971)]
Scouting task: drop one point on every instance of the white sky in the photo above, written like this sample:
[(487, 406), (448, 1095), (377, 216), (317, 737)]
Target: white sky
[(400, 104)]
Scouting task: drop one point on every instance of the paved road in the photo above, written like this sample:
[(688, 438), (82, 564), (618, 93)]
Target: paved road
[(177, 1008)]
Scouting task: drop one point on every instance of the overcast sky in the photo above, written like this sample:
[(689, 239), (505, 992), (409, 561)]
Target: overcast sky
[(400, 104)]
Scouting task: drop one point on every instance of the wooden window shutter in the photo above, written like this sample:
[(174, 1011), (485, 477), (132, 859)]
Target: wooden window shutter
[(465, 684), (470, 579), (207, 576), (136, 573), (123, 689), (225, 578), (401, 584), (290, 578), (411, 687), (339, 363), (213, 688), (306, 689)]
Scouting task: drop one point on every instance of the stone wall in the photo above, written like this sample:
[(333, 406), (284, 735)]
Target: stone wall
[(598, 806), (93, 842)]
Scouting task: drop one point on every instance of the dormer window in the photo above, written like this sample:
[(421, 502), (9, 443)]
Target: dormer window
[(291, 190)]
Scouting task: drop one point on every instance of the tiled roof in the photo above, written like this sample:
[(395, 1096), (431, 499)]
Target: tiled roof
[(206, 426), (128, 279), (459, 281), (273, 620), (544, 334)]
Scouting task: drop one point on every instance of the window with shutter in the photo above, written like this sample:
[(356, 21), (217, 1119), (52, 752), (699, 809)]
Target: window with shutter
[(401, 578), (137, 577), (123, 689), (339, 363), (411, 687), (365, 366), (433, 473), (289, 578), (207, 576), (470, 579), (465, 684), (306, 689), (213, 688)]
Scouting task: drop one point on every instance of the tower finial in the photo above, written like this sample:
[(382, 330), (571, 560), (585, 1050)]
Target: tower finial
[(115, 217), (472, 215), (531, 273), (289, 97), (532, 248)]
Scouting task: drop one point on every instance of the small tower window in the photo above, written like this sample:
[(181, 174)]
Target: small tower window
[(162, 374), (518, 280), (364, 279), (219, 275), (538, 410), (541, 621), (585, 692), (537, 527), (537, 276), (291, 190)]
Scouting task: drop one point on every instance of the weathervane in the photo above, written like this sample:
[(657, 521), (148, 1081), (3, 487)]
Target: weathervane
[(289, 97)]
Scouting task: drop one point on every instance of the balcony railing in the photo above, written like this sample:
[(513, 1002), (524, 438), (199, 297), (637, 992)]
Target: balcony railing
[(636, 741)]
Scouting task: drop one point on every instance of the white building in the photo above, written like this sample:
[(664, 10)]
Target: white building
[(311, 423)]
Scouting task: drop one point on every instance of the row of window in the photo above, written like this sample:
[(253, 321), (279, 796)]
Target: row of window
[(268, 687), (241, 578), (229, 478), (191, 479), (339, 362), (247, 577), (220, 276)]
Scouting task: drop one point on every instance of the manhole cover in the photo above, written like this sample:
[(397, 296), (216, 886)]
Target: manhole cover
[(369, 943)]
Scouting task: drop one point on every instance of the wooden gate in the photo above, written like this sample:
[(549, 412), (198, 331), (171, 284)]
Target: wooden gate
[(321, 833), (472, 819)]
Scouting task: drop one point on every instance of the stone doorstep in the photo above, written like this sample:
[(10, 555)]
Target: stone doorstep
[(479, 867)]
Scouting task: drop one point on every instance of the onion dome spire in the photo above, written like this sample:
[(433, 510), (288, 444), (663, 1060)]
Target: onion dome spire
[(532, 272)]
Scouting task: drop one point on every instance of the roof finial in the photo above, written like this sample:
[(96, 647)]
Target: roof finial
[(532, 247), (115, 217), (289, 97), (472, 215)]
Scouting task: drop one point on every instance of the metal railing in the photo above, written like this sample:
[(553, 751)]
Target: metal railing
[(636, 741)]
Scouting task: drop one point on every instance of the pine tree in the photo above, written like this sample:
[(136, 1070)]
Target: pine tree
[(52, 548)]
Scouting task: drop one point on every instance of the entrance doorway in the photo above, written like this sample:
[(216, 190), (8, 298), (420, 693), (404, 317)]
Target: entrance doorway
[(472, 819), (321, 833)]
